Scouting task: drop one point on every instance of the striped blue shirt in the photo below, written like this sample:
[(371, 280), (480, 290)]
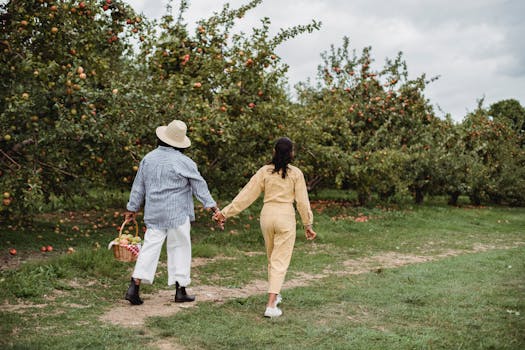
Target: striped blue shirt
[(165, 183)]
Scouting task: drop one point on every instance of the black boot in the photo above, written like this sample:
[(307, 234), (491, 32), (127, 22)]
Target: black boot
[(132, 295), (181, 296)]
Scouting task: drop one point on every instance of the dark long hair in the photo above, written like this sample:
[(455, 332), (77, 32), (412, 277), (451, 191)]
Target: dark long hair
[(282, 156)]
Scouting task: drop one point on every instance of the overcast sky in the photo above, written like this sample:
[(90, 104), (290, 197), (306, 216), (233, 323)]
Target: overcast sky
[(477, 47)]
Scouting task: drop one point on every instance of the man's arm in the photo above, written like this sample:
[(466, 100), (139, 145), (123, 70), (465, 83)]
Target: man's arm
[(138, 191), (199, 187)]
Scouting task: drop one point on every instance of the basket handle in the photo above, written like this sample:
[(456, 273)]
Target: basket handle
[(124, 225)]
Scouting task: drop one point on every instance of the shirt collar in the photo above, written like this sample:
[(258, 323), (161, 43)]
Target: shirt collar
[(167, 148)]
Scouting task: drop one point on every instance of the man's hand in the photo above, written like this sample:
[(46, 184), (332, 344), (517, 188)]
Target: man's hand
[(130, 216)]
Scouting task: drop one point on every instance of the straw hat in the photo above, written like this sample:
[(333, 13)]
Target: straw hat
[(174, 134)]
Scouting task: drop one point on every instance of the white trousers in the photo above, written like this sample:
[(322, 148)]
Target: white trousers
[(178, 247)]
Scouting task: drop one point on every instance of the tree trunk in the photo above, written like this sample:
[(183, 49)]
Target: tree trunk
[(453, 199), (419, 196), (475, 198), (363, 198)]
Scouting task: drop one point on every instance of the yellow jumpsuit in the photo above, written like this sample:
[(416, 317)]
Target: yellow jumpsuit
[(277, 215)]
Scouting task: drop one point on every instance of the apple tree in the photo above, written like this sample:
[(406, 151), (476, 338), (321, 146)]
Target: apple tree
[(511, 112), (496, 173), (365, 129), (59, 61), (229, 87)]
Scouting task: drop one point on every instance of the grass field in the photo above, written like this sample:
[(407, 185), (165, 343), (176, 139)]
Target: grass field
[(427, 277)]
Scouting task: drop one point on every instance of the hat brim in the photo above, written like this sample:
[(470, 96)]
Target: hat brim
[(161, 134)]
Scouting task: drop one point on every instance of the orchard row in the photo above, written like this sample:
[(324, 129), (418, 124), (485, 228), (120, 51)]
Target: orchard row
[(85, 83)]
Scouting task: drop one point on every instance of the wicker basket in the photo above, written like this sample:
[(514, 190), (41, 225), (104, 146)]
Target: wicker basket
[(120, 252)]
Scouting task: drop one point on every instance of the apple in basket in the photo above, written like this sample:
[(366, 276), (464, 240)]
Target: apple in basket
[(135, 240), (127, 239), (121, 240)]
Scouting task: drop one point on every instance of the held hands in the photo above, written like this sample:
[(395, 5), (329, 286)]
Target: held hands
[(219, 218), (309, 233)]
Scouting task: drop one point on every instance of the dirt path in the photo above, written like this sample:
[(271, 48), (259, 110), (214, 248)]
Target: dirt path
[(160, 303)]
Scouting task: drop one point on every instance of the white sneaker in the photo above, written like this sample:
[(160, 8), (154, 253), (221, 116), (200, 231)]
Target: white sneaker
[(272, 312), (278, 299)]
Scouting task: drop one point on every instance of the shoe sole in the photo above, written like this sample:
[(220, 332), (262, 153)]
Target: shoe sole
[(133, 302), (184, 301), (268, 315)]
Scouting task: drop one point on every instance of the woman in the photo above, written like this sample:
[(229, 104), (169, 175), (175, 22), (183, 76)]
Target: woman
[(282, 184)]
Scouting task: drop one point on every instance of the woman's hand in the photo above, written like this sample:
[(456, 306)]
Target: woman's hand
[(309, 233)]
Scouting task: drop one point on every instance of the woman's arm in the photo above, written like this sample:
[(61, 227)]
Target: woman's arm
[(302, 201), (246, 196), (303, 206)]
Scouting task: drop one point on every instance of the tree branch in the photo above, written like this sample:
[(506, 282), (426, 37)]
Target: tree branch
[(11, 159), (57, 169)]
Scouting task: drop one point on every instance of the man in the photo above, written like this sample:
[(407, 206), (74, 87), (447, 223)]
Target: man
[(165, 183)]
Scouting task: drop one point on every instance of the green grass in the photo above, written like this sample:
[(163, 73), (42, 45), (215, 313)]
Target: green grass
[(461, 302), (471, 301)]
